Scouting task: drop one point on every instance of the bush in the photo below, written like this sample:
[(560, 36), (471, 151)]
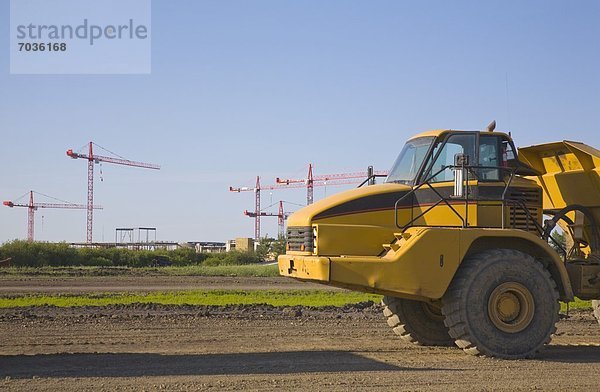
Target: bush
[(38, 254), (232, 258), (41, 254), (186, 256), (99, 261), (270, 248)]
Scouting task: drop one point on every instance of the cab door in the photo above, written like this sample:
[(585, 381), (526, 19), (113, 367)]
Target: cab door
[(442, 180)]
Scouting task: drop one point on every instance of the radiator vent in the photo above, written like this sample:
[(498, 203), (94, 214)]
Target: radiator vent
[(300, 238), (520, 202)]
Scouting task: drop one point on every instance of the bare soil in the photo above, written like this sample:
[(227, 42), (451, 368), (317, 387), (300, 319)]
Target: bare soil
[(24, 284), (155, 347)]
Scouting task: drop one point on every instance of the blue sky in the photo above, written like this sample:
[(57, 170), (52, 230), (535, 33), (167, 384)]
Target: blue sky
[(246, 88)]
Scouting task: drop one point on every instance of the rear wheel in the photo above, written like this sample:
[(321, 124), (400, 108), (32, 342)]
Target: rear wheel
[(501, 303), (417, 322), (596, 307)]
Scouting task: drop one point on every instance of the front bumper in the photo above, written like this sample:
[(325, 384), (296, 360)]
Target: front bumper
[(421, 268), (305, 267)]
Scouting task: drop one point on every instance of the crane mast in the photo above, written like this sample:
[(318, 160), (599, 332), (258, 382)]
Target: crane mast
[(281, 217), (257, 210), (92, 159)]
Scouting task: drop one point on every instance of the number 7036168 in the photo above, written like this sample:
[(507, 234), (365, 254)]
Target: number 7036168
[(42, 46)]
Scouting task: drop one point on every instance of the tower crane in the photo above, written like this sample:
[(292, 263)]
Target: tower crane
[(32, 207), (281, 217), (92, 159), (257, 210), (330, 179), (310, 182)]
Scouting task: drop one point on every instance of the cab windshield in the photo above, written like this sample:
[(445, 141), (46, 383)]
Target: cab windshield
[(409, 161)]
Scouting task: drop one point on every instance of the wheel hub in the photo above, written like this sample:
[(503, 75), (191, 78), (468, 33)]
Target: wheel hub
[(511, 307)]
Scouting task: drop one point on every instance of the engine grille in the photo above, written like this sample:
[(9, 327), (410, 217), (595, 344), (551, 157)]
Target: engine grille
[(300, 238), (531, 198)]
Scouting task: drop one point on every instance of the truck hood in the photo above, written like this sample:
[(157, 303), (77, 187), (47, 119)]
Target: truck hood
[(367, 198)]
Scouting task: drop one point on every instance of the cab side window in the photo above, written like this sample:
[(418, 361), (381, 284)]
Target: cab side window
[(455, 144), (508, 155), (489, 155)]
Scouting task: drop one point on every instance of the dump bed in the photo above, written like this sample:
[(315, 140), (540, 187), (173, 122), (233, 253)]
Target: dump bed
[(569, 173)]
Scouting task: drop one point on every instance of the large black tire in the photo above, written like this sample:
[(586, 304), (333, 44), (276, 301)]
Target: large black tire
[(501, 303), (596, 307), (416, 322)]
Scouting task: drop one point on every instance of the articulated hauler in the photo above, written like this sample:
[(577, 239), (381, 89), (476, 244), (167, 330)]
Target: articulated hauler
[(458, 240)]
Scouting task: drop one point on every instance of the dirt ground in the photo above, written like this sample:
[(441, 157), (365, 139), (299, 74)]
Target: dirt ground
[(86, 284), (154, 347)]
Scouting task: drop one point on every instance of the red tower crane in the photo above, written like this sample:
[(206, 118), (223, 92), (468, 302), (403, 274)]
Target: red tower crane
[(310, 182), (31, 206), (281, 217), (257, 210), (330, 179), (92, 158)]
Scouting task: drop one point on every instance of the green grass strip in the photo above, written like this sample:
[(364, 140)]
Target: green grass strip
[(577, 304), (251, 270), (213, 297), (195, 297)]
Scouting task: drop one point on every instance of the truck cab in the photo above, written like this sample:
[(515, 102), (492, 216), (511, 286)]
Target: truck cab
[(359, 221)]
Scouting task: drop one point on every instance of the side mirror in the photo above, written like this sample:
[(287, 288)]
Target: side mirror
[(460, 161)]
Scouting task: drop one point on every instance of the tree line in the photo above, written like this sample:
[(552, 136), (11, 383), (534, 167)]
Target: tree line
[(43, 254)]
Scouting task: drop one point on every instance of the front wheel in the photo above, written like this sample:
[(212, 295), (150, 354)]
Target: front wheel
[(501, 303), (416, 322)]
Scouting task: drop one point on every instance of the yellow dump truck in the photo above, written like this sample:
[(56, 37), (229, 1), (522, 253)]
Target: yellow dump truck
[(458, 240)]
